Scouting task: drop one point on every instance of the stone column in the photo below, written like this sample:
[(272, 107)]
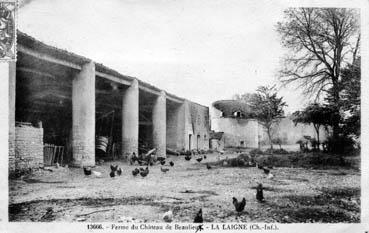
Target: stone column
[(159, 122), (130, 119), (10, 72), (83, 101)]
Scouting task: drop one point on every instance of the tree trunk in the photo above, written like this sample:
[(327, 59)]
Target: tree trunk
[(317, 127), (336, 116), (270, 139)]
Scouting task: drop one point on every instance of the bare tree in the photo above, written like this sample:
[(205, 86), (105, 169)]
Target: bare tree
[(320, 40)]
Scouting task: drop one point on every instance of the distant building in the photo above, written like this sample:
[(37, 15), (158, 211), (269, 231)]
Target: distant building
[(240, 128), (217, 140)]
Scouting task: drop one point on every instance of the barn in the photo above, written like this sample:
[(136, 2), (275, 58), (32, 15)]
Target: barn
[(72, 110)]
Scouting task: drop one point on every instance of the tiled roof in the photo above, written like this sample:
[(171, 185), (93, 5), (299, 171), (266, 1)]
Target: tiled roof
[(229, 107), (34, 44)]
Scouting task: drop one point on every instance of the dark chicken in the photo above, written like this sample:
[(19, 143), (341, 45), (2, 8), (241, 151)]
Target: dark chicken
[(160, 159), (208, 166), (259, 193), (266, 171), (198, 217), (87, 171), (239, 206), (114, 168), (199, 159), (171, 163), (188, 157), (144, 172), (112, 174), (164, 169), (135, 172)]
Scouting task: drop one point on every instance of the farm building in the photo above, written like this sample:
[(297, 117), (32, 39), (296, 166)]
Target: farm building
[(80, 110), (240, 128)]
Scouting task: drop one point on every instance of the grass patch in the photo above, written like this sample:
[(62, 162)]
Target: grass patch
[(331, 205)]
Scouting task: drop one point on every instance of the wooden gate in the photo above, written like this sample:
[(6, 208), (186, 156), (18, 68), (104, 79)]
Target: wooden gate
[(53, 154)]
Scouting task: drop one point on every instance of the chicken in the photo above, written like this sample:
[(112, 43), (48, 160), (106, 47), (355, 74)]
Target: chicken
[(49, 215), (259, 166), (135, 172), (119, 171), (162, 162), (270, 176), (168, 216), (96, 173), (208, 166), (145, 172), (239, 206), (160, 159), (266, 171), (133, 159), (198, 217), (114, 168), (112, 174), (199, 159), (171, 163), (188, 157), (87, 171), (164, 169), (204, 156), (259, 193)]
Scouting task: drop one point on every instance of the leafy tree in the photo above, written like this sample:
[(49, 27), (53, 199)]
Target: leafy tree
[(350, 97), (315, 114), (321, 41), (268, 108)]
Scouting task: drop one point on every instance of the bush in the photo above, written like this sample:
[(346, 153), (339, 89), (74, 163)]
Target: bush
[(340, 145), (20, 172), (210, 151), (276, 151), (255, 152)]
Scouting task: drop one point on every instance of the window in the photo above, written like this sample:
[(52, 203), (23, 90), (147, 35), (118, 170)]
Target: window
[(237, 114)]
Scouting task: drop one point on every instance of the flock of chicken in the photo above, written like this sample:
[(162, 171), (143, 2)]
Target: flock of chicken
[(239, 205), (168, 216)]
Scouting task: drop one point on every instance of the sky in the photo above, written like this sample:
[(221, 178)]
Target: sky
[(203, 51)]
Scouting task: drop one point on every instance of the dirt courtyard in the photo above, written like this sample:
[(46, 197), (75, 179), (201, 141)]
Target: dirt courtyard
[(293, 195)]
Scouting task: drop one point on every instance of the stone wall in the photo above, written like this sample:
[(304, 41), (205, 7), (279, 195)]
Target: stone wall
[(197, 125), (176, 127), (251, 133), (238, 132), (290, 133), (28, 147), (216, 144)]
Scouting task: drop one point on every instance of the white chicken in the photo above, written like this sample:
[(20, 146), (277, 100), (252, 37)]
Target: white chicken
[(96, 173), (168, 216)]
